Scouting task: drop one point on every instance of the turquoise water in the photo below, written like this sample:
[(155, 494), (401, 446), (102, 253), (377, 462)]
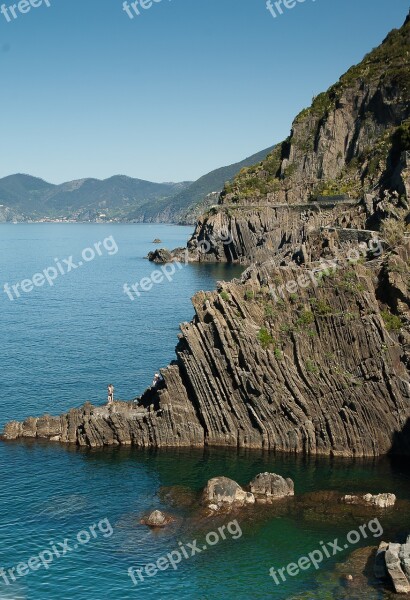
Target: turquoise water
[(61, 345)]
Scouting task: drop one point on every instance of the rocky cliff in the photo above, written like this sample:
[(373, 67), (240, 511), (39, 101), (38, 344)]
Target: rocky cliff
[(322, 370), (299, 355), (351, 144)]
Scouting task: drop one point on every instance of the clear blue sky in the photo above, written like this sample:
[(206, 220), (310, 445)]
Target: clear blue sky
[(186, 87)]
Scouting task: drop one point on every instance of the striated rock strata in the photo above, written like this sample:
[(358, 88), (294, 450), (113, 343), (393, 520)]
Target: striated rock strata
[(294, 357), (325, 370)]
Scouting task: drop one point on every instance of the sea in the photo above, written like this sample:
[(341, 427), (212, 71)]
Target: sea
[(70, 517)]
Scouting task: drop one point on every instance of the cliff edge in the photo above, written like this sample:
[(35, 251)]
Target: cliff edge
[(310, 351)]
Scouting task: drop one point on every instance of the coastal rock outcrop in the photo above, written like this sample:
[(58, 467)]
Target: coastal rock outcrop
[(157, 519), (267, 487), (393, 563), (346, 163), (163, 256), (299, 355), (318, 368), (378, 500), (222, 491)]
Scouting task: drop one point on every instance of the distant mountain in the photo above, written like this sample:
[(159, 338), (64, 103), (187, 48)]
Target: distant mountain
[(22, 191), (28, 198), (119, 198), (187, 205)]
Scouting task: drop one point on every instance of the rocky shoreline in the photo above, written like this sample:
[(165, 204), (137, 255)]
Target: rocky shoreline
[(318, 372), (297, 356), (383, 567)]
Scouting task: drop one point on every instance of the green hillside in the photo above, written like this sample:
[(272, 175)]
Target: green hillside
[(191, 198), (350, 139), (119, 197)]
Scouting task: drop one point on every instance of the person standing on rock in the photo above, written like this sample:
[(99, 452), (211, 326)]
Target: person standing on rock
[(110, 390), (156, 380)]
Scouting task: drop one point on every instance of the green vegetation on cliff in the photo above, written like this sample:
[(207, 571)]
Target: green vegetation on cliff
[(323, 157)]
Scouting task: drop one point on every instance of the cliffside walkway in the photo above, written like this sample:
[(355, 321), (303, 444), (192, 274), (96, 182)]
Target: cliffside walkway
[(307, 205)]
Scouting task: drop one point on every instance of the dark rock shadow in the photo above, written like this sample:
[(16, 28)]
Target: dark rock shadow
[(401, 441)]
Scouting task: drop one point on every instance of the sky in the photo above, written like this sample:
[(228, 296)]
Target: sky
[(183, 88)]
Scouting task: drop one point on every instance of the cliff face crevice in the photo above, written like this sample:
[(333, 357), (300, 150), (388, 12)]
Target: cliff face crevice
[(319, 373)]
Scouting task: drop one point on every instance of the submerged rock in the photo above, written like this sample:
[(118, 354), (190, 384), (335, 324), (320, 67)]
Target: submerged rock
[(379, 500), (157, 519), (178, 496)]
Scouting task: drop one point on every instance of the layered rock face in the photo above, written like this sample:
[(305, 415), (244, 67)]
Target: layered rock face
[(321, 370), (257, 233), (287, 359)]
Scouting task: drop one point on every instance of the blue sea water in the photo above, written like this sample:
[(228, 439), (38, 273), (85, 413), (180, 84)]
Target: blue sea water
[(61, 345)]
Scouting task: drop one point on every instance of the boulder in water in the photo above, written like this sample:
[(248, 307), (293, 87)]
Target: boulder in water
[(163, 256), (395, 558), (378, 500), (157, 519), (267, 487), (225, 492)]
